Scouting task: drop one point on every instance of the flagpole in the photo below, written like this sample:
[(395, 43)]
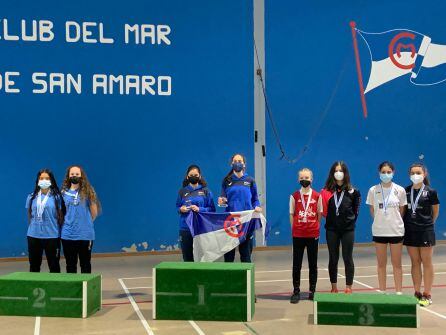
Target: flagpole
[(358, 68)]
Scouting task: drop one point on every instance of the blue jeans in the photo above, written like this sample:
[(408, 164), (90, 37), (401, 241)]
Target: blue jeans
[(187, 245)]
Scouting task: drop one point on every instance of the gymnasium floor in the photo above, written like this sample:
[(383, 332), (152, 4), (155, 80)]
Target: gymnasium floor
[(127, 300)]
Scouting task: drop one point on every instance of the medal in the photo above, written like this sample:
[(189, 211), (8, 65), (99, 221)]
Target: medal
[(75, 197), (386, 200), (41, 204), (305, 206), (414, 204), (338, 202)]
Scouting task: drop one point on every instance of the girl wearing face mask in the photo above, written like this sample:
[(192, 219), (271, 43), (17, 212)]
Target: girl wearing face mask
[(419, 238), (46, 211), (239, 193), (387, 202), (194, 196), (341, 203), (305, 214), (83, 207)]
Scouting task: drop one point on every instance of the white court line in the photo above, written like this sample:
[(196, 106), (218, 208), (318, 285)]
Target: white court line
[(13, 298), (138, 312), (303, 270), (340, 268), (327, 278), (197, 329), (136, 308), (423, 309), (433, 312), (37, 326), (275, 280)]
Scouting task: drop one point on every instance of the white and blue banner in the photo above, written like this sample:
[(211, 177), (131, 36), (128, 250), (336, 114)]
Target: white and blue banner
[(217, 233), (400, 52)]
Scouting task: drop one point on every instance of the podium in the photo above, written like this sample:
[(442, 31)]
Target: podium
[(374, 309), (203, 291), (50, 294)]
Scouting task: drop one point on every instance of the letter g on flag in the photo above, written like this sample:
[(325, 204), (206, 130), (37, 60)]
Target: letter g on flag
[(233, 226)]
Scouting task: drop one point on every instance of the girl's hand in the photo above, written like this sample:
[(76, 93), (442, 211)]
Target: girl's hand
[(184, 209), (258, 209), (222, 200), (195, 208)]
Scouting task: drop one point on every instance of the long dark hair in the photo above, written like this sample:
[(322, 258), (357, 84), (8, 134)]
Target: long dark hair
[(58, 199), (331, 185), (424, 168), (202, 181), (86, 190), (388, 164), (228, 176)]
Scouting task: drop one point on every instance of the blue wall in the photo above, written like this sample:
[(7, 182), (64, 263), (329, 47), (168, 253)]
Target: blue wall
[(310, 59), (134, 148)]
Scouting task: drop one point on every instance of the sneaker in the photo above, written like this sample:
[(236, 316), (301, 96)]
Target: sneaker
[(295, 298), (418, 296), (399, 293), (311, 295), (348, 290), (334, 290), (425, 300)]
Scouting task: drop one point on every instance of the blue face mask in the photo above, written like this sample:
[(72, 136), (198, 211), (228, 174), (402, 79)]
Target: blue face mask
[(44, 184), (386, 177), (238, 167)]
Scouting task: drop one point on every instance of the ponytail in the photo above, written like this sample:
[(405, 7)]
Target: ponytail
[(227, 178), (424, 168)]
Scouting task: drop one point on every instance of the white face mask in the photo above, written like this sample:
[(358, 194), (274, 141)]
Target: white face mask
[(339, 175), (416, 178), (44, 184)]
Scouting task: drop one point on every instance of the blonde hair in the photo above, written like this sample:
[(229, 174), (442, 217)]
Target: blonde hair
[(305, 170)]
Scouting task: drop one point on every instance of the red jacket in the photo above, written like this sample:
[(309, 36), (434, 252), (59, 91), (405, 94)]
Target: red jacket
[(310, 227), (326, 196)]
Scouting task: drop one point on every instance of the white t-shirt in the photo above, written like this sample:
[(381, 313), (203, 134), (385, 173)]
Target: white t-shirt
[(387, 223)]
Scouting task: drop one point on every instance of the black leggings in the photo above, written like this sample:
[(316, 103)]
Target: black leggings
[(73, 250), (347, 239), (299, 245), (187, 245), (245, 250), (36, 246)]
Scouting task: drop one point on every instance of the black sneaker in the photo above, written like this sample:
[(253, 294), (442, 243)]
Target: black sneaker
[(295, 298), (311, 295)]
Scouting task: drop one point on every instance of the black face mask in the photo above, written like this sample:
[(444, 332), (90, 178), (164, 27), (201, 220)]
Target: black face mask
[(193, 179), (305, 183), (75, 180)]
